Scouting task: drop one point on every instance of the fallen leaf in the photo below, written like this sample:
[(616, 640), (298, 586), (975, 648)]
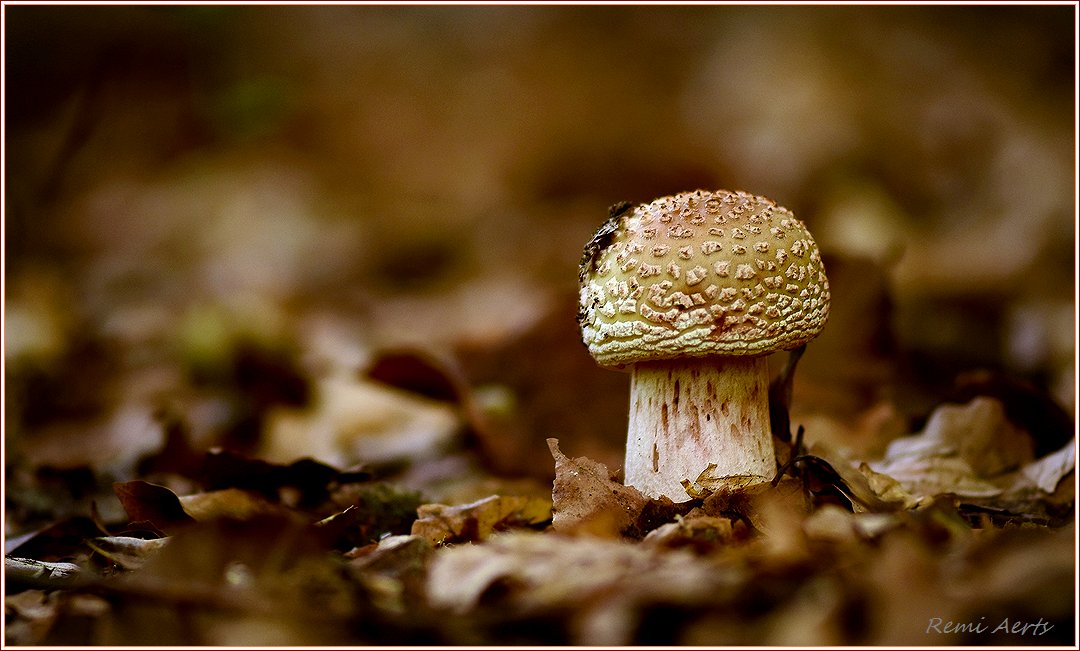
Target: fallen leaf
[(831, 523), (228, 503), (310, 478), (586, 500), (393, 572), (1027, 406), (29, 615), (233, 573), (477, 521), (939, 475), (701, 533), (706, 483), (976, 454), (1046, 473), (55, 542), (886, 488), (146, 502), (960, 451), (395, 554), (419, 373), (355, 420), (127, 552), (604, 585)]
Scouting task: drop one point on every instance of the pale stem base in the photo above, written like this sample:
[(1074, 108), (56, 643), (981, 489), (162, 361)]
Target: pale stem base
[(687, 414)]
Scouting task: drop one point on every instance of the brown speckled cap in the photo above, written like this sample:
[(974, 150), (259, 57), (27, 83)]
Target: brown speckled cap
[(700, 273)]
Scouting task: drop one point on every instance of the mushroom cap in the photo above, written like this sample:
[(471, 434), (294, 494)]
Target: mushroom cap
[(697, 274)]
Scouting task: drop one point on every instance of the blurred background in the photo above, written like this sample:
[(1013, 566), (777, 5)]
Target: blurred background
[(352, 232)]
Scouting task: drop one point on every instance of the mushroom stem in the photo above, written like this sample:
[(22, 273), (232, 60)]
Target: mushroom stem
[(688, 413)]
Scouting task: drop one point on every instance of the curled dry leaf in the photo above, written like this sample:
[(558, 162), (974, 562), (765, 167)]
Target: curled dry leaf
[(977, 435), (971, 451), (228, 503), (419, 373), (829, 474), (392, 571), (127, 552), (393, 554), (146, 502), (587, 500), (310, 479), (1045, 474), (477, 521), (702, 533), (167, 512), (353, 419), (884, 487), (603, 582), (707, 483), (55, 542)]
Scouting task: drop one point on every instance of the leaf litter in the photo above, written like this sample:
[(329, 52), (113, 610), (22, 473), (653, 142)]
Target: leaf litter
[(959, 521)]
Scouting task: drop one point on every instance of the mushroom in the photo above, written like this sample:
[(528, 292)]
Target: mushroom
[(689, 294)]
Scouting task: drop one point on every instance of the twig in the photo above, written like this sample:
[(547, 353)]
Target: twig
[(40, 574)]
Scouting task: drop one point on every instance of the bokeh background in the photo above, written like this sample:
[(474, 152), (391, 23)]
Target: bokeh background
[(222, 218)]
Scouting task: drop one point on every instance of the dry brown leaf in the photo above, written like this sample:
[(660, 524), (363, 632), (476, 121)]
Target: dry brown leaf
[(831, 523), (227, 503), (393, 570), (866, 491), (602, 582), (127, 552), (266, 571), (1046, 473), (960, 451), (706, 483), (701, 533), (588, 501), (476, 521), (29, 615), (887, 488), (158, 505), (813, 617), (393, 554), (776, 513), (974, 452), (354, 420)]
